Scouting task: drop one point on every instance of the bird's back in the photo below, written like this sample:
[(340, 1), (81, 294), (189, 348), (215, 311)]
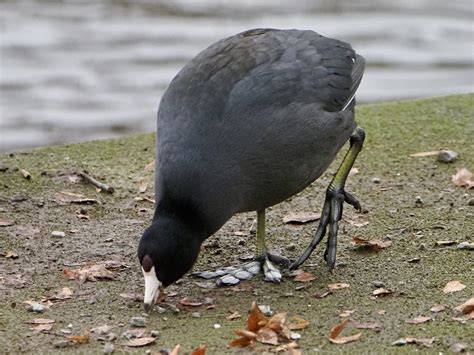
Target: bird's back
[(255, 118)]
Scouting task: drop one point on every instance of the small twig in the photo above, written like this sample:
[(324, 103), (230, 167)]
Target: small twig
[(98, 184)]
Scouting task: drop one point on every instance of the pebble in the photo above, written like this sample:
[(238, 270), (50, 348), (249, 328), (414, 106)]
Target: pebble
[(196, 315), (266, 310), (295, 336), (378, 284), (465, 245), (65, 331), (138, 322), (418, 200), (291, 247), (376, 180), (108, 348), (422, 246), (58, 234), (471, 202), (60, 344), (37, 307), (155, 333), (217, 326), (447, 156)]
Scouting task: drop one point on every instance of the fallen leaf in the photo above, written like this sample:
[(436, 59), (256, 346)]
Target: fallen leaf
[(458, 347), (346, 313), (338, 286), (336, 331), (419, 320), (233, 315), (6, 222), (189, 303), (11, 255), (64, 294), (32, 304), (92, 272), (256, 319), (372, 326), (142, 185), (381, 312), (443, 243), (277, 322), (467, 307), (380, 292), (267, 336), (63, 197), (428, 342), (301, 217), (40, 321), (25, 174), (137, 342), (241, 342), (305, 277), (42, 328), (353, 171), (200, 350), (463, 177), (322, 294), (79, 339), (453, 286), (175, 350), (425, 154), (438, 308), (297, 323), (375, 245)]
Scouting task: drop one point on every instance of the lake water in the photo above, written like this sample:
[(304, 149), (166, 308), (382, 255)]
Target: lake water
[(80, 70)]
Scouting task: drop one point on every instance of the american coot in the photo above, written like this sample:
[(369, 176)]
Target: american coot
[(247, 123)]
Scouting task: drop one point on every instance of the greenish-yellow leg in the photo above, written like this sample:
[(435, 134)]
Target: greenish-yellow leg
[(333, 204)]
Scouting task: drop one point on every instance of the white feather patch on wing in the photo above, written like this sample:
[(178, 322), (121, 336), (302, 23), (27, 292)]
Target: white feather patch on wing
[(152, 286)]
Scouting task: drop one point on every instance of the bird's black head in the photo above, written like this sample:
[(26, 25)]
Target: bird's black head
[(167, 250)]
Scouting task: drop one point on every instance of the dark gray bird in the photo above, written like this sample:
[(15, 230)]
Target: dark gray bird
[(247, 123)]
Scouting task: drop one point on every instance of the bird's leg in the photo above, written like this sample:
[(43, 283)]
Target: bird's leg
[(263, 262), (333, 205)]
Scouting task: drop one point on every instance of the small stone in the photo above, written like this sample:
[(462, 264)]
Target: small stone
[(378, 284), (291, 247), (65, 331), (470, 202), (58, 234), (138, 322), (465, 245), (61, 344), (37, 307), (69, 325), (295, 336), (160, 310), (447, 156), (418, 200), (155, 333), (376, 180), (196, 315), (108, 348), (458, 348), (400, 342), (266, 310), (422, 246), (217, 326)]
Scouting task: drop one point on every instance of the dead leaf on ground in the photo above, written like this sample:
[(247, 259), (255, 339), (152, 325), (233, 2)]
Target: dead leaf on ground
[(200, 350), (305, 277), (64, 197), (190, 303), (467, 307), (346, 313), (33, 304), (338, 286), (297, 323), (6, 222), (438, 308), (428, 342), (323, 294), (425, 154), (301, 217), (381, 312), (11, 255), (79, 339), (267, 336), (419, 320), (137, 342), (453, 286), (336, 331), (63, 294), (353, 171), (142, 185), (40, 321), (256, 319), (42, 328), (358, 224), (380, 292), (233, 315), (372, 326), (92, 272), (444, 243), (463, 178), (374, 245)]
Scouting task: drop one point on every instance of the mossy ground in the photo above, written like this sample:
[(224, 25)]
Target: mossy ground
[(394, 130)]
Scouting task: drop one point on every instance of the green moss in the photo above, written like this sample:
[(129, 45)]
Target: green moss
[(394, 131)]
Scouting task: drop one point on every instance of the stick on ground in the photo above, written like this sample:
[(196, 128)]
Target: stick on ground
[(96, 183)]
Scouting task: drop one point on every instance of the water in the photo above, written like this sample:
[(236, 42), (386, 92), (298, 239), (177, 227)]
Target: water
[(77, 70)]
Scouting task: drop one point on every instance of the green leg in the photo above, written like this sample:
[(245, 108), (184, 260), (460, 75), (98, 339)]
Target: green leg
[(260, 241), (333, 205)]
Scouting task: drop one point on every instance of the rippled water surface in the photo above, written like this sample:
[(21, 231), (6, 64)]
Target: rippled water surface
[(76, 70)]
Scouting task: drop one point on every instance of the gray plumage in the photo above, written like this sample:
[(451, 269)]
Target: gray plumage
[(253, 120)]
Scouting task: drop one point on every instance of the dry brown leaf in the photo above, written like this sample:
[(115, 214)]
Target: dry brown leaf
[(175, 350), (438, 308), (233, 315), (463, 177), (380, 292), (190, 303), (467, 307), (42, 328), (453, 286), (6, 222), (297, 323), (142, 185), (372, 326), (305, 277), (338, 286), (11, 255), (256, 318), (425, 154), (150, 166), (428, 342), (92, 272), (353, 171), (137, 342), (64, 294), (241, 342), (346, 313), (276, 322), (267, 336), (200, 350), (322, 294), (336, 331), (63, 197), (301, 217), (375, 245), (40, 321), (79, 339), (419, 320)]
